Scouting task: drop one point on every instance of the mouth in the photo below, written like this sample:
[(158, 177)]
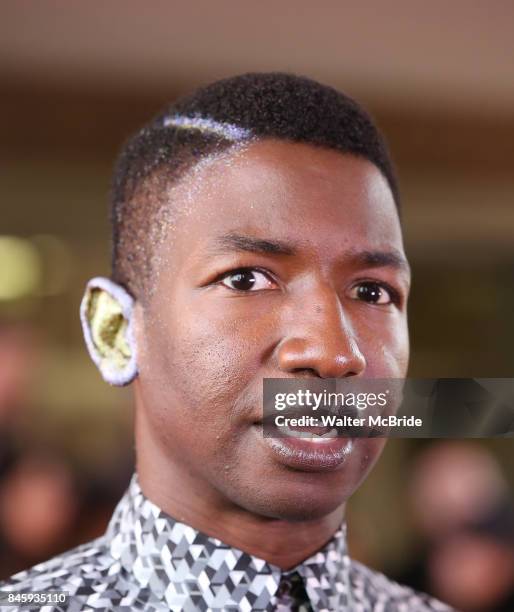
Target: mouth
[(308, 451), (314, 432)]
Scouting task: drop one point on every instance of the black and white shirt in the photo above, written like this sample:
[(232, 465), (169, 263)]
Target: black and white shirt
[(147, 560)]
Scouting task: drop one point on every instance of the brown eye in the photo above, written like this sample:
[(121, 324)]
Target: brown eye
[(372, 293), (247, 280)]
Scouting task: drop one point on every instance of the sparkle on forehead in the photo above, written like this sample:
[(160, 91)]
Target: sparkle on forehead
[(204, 124)]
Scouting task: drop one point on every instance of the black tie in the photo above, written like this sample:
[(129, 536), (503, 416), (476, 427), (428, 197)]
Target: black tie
[(291, 594)]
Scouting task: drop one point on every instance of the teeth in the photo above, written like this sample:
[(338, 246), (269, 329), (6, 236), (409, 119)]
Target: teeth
[(295, 433), (329, 434)]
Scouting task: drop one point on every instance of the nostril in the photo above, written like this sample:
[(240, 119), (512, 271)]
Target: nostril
[(305, 371)]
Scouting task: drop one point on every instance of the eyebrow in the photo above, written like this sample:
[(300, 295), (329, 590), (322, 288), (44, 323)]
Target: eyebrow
[(381, 259), (234, 242), (240, 242)]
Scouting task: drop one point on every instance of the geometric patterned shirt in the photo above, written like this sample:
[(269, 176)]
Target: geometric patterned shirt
[(146, 560)]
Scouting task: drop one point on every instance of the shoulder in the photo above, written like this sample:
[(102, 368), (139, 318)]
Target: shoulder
[(83, 572), (370, 585)]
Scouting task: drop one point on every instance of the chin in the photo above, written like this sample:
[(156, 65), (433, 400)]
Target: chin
[(296, 513), (293, 502)]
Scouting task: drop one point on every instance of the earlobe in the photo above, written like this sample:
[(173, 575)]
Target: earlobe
[(106, 314)]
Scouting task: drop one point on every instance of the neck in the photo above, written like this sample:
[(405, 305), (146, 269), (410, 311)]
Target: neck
[(193, 501)]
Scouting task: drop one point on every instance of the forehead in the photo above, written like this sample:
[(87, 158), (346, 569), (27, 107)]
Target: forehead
[(318, 197)]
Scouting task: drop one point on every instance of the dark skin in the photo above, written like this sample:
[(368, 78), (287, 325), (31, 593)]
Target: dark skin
[(322, 293)]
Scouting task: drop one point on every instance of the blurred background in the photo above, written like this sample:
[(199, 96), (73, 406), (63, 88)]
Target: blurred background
[(76, 78)]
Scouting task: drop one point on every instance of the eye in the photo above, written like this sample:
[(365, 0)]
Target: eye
[(247, 279), (374, 293)]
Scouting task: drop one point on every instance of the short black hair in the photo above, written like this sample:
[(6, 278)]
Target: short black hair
[(215, 118)]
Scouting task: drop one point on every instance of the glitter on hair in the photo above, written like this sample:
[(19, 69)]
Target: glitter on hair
[(205, 124)]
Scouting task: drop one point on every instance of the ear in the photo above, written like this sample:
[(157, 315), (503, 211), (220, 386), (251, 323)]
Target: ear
[(106, 313)]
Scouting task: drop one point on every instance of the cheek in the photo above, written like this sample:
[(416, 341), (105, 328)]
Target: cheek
[(385, 345), (203, 358)]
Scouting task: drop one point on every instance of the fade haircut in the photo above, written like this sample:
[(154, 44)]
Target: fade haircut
[(213, 119)]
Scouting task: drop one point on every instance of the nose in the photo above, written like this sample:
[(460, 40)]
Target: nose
[(321, 339)]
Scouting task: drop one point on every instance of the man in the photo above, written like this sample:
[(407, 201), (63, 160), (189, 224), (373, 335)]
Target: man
[(256, 235)]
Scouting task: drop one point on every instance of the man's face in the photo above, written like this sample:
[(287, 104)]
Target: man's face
[(284, 261)]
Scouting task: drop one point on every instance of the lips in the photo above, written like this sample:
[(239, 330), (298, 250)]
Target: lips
[(310, 454)]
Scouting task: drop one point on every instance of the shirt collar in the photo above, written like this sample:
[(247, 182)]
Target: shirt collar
[(179, 563)]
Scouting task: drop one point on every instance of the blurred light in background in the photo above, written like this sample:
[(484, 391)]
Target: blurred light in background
[(36, 267), (20, 268)]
